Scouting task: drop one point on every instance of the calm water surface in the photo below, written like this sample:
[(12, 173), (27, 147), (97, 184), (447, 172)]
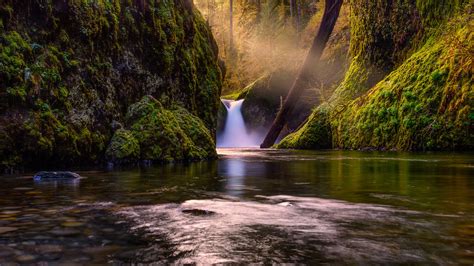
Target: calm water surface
[(260, 206)]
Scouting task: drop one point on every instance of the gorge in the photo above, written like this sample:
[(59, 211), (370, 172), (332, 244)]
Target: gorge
[(130, 132)]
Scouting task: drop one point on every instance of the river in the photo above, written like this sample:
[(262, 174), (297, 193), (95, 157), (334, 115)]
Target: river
[(250, 206)]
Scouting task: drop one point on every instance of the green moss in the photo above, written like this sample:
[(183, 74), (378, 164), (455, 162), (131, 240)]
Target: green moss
[(424, 103), (202, 145), (73, 69), (383, 31), (123, 146), (315, 133), (433, 12), (168, 135), (433, 97)]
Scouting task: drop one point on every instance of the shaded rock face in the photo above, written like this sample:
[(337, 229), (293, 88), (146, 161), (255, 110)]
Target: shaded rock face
[(263, 99), (71, 70), (221, 117)]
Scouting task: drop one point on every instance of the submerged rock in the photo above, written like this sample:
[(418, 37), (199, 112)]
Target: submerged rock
[(56, 175)]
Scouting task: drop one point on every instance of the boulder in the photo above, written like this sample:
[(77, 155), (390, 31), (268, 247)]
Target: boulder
[(55, 175), (264, 97)]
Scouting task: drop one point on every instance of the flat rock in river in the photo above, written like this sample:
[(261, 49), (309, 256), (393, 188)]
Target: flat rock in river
[(7, 229), (55, 175)]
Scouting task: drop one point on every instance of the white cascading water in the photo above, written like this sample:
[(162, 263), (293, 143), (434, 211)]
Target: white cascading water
[(235, 133)]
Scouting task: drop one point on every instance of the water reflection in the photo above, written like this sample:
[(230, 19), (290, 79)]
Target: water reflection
[(57, 183), (266, 206), (234, 171), (284, 229)]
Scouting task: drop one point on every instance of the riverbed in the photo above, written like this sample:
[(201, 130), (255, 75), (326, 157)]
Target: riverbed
[(250, 206)]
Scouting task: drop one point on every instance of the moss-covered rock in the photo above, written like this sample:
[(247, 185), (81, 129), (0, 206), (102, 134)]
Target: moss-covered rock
[(71, 69), (409, 85), (314, 134), (123, 147), (168, 134), (425, 104)]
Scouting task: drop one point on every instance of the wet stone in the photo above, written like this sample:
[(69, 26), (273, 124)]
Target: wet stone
[(10, 212), (10, 208), (81, 258), (198, 212), (25, 258), (48, 249), (7, 229), (23, 188), (72, 224), (52, 256), (6, 252), (126, 255), (42, 237), (2, 223), (101, 249), (56, 175), (65, 232)]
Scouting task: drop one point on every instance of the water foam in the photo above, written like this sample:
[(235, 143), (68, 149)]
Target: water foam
[(279, 228)]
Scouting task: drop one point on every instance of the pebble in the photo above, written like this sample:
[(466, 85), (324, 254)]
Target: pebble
[(10, 208), (101, 250), (65, 232), (42, 237), (72, 224), (6, 252), (6, 229), (48, 248), (23, 188), (10, 212), (108, 230), (198, 212), (81, 259), (25, 258), (34, 193)]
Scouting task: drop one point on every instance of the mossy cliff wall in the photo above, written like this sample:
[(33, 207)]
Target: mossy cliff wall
[(409, 85), (70, 70)]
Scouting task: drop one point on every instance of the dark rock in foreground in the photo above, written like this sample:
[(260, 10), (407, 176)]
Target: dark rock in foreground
[(198, 212)]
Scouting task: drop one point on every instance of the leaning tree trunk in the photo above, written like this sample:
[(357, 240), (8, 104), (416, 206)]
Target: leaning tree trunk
[(291, 12), (231, 25), (259, 11), (331, 13)]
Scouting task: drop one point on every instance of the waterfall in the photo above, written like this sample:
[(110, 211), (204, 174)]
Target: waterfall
[(235, 133)]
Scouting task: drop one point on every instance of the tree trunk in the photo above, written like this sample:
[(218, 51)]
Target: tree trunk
[(259, 11), (231, 25), (298, 16), (331, 13), (291, 12)]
